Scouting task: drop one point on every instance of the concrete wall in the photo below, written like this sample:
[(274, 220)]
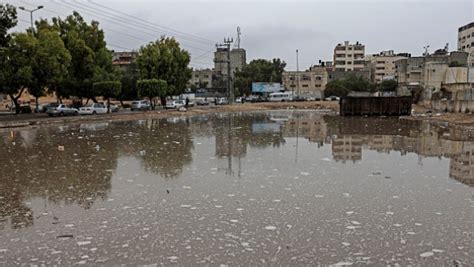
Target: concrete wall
[(453, 106)]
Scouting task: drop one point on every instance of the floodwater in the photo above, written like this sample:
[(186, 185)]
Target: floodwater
[(276, 188)]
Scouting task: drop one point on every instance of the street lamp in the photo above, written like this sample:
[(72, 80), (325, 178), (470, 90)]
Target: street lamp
[(31, 13)]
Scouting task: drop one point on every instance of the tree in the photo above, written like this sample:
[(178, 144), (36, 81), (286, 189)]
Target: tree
[(107, 90), (8, 20), (51, 61), (16, 71), (152, 88), (258, 70), (387, 86), (165, 60), (343, 87), (129, 78), (90, 60)]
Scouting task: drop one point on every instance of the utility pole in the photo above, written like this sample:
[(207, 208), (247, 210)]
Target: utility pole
[(297, 74), (230, 91), (31, 14)]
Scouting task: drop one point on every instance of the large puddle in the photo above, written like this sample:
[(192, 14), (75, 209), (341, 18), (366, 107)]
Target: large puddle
[(277, 188)]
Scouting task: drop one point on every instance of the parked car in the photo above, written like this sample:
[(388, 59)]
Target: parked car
[(141, 105), (92, 109), (42, 108), (114, 108), (332, 98), (202, 102), (238, 100), (62, 110), (175, 104), (222, 101)]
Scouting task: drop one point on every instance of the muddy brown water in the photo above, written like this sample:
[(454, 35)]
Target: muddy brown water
[(264, 188)]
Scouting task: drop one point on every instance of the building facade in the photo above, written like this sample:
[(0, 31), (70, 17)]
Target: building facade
[(309, 83), (382, 65), (466, 41), (426, 73), (202, 78), (348, 57), (123, 59), (238, 59)]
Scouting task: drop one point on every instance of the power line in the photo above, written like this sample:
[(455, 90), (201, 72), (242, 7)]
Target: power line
[(154, 24), (118, 20)]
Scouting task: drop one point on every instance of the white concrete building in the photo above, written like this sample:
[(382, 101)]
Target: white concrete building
[(349, 57), (466, 41)]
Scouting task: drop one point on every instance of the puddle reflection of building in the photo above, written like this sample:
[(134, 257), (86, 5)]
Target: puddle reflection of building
[(311, 127)]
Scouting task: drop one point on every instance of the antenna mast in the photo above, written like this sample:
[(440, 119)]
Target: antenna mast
[(237, 42)]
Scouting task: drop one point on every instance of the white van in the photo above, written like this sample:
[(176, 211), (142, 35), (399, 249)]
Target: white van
[(280, 97)]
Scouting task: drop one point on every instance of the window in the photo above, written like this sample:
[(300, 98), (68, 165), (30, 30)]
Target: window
[(196, 76), (349, 62), (305, 78), (207, 76), (305, 85), (318, 77), (317, 85)]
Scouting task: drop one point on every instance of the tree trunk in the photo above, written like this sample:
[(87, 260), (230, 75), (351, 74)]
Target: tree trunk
[(163, 101), (87, 101), (15, 102), (37, 104), (108, 105)]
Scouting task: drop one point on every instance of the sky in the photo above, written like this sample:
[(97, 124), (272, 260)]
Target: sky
[(270, 29)]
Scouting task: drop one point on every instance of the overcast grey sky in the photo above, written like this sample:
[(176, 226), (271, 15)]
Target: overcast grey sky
[(271, 29)]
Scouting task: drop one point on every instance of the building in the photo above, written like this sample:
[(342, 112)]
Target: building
[(308, 83), (466, 41), (427, 73), (202, 78), (382, 65), (238, 59), (335, 74), (349, 57), (123, 59)]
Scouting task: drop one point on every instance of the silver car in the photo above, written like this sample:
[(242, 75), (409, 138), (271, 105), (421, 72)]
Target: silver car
[(62, 110), (141, 105)]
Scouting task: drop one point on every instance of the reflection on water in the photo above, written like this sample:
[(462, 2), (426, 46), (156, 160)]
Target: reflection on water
[(45, 171)]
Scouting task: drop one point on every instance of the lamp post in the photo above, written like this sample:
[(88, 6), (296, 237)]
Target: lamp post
[(31, 13)]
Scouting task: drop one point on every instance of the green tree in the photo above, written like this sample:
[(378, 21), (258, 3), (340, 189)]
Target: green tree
[(152, 88), (90, 60), (165, 60), (51, 61), (129, 78), (16, 71), (343, 87), (8, 20), (108, 90), (387, 86), (258, 70)]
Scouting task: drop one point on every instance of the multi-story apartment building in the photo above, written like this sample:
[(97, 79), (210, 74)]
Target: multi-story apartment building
[(238, 59), (427, 72), (466, 41), (202, 78), (308, 83), (349, 56), (382, 65)]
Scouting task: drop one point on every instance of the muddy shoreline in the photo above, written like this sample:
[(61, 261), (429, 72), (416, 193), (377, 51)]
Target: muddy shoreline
[(17, 121)]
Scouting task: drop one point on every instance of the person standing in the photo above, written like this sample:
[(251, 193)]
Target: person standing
[(187, 102)]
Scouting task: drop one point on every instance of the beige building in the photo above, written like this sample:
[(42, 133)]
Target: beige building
[(382, 65), (309, 83), (466, 41), (201, 78), (426, 73), (349, 56), (238, 59)]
